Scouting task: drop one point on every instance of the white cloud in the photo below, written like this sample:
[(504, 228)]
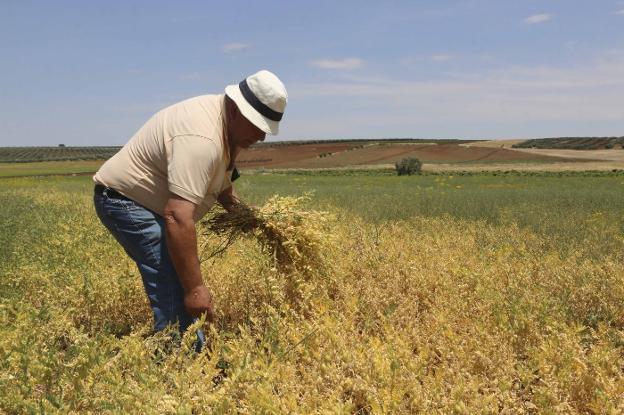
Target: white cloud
[(234, 47), (508, 96), (347, 63), (620, 12), (538, 18), (442, 58)]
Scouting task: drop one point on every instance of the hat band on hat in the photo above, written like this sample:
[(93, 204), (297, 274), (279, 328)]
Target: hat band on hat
[(257, 104)]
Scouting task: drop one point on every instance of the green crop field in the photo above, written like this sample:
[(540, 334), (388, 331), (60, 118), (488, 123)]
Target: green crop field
[(573, 143), (554, 205), (443, 293), (46, 168)]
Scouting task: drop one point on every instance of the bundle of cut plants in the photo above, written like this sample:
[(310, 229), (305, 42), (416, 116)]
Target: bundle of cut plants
[(292, 236)]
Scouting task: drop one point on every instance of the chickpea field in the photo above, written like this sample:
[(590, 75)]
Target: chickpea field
[(435, 294)]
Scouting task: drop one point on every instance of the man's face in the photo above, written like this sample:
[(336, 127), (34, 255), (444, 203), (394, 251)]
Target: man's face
[(244, 133)]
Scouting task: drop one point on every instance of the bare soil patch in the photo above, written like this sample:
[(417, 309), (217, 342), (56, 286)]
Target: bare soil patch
[(342, 154), (615, 155), (283, 156), (556, 166)]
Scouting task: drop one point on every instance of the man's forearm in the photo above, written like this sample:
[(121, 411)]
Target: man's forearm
[(182, 245)]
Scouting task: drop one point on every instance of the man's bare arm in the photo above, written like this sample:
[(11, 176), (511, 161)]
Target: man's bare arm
[(182, 245)]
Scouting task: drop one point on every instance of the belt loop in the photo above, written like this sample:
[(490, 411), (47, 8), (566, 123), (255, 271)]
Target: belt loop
[(105, 192)]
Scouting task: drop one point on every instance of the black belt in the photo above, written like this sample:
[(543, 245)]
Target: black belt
[(100, 189)]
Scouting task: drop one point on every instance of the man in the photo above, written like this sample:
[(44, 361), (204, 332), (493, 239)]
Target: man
[(152, 192)]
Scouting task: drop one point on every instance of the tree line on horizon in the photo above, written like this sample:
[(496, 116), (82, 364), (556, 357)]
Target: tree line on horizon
[(573, 143)]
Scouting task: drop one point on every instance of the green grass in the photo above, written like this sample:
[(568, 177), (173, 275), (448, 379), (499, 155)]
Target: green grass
[(49, 168), (573, 207), (564, 208)]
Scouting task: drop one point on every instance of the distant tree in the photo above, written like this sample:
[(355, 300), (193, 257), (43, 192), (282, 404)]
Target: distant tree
[(408, 166), (61, 145)]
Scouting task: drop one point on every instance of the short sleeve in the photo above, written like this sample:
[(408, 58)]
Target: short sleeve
[(191, 164)]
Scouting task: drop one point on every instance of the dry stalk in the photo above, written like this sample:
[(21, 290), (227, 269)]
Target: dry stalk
[(290, 236)]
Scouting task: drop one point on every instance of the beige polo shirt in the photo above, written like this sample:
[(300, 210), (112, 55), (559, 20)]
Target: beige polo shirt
[(182, 149)]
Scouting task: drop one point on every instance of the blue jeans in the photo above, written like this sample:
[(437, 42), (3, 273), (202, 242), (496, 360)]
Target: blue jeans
[(141, 233)]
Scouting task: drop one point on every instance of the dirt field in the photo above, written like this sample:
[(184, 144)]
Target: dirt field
[(614, 155), (341, 155), (557, 166), (476, 156), (507, 143), (593, 159), (284, 155)]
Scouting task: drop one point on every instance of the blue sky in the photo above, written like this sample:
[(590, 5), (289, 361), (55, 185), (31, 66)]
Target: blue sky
[(91, 73)]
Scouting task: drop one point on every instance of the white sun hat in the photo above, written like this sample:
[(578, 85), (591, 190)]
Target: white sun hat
[(261, 98)]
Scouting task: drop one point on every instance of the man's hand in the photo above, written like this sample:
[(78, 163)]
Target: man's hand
[(228, 199), (233, 204), (198, 300)]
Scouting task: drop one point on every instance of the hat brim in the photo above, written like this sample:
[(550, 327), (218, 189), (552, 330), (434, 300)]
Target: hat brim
[(257, 119)]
